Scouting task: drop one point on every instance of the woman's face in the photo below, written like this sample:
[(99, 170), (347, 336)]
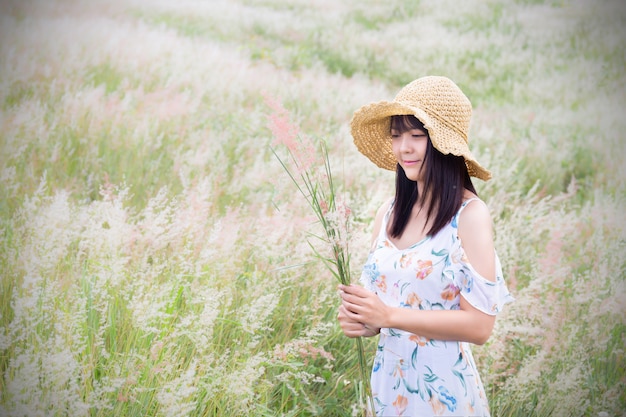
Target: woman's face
[(409, 147)]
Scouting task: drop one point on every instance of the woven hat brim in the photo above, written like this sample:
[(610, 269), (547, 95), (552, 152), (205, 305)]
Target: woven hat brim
[(370, 128)]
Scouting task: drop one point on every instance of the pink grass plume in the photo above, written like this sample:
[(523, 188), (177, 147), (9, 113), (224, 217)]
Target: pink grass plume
[(311, 173)]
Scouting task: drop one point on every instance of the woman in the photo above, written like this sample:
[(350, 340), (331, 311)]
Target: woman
[(432, 283)]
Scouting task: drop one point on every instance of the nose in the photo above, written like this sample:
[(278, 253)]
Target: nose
[(405, 143)]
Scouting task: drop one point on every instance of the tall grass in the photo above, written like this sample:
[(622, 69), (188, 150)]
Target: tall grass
[(154, 256)]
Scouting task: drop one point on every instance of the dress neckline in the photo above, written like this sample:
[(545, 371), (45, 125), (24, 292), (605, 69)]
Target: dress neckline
[(385, 236)]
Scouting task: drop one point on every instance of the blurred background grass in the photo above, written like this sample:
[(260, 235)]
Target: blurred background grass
[(154, 257)]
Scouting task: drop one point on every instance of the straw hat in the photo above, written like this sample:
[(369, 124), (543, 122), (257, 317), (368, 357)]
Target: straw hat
[(438, 103)]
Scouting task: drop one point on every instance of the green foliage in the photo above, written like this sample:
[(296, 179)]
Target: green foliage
[(105, 75), (17, 92)]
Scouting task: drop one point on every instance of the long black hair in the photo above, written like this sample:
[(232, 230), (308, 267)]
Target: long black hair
[(445, 181)]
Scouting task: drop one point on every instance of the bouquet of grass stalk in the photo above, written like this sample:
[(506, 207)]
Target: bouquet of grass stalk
[(318, 189)]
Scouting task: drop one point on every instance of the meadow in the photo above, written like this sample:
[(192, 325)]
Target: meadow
[(155, 257)]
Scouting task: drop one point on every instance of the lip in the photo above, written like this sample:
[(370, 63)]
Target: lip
[(409, 163)]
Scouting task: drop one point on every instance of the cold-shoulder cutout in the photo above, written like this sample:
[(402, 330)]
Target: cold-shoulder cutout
[(475, 231), (487, 294)]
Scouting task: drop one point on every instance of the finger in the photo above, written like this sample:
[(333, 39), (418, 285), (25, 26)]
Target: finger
[(353, 312), (345, 311), (342, 314), (345, 317), (357, 291), (351, 326), (350, 289), (353, 299), (354, 332)]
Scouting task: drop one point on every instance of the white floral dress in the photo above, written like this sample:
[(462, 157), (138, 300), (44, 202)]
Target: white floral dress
[(415, 376)]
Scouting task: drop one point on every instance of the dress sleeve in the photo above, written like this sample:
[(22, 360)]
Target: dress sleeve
[(487, 296)]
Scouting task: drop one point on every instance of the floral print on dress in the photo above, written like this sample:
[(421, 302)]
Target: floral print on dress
[(424, 268), (412, 300), (417, 376), (450, 292), (400, 404)]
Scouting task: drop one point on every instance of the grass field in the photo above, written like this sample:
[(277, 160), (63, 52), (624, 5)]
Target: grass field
[(154, 254)]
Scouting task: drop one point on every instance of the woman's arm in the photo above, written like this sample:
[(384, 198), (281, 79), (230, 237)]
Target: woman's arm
[(467, 324)]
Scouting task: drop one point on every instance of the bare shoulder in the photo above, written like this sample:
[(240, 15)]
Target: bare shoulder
[(378, 221), (475, 230), (475, 214)]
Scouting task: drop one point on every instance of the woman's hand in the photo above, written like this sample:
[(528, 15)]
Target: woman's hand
[(362, 310), (353, 328), (361, 307)]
